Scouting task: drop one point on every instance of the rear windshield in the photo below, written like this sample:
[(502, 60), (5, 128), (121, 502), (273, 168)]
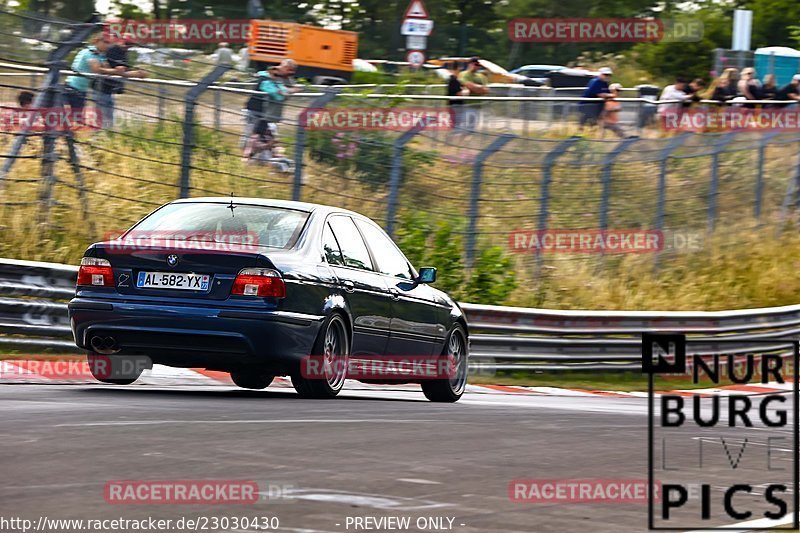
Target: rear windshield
[(267, 226)]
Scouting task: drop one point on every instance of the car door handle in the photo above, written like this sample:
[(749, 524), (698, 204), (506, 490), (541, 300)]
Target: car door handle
[(395, 293), (349, 286)]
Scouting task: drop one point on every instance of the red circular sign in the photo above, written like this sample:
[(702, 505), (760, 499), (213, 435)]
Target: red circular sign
[(416, 58)]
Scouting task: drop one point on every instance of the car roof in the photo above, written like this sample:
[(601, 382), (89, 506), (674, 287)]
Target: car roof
[(268, 202), (551, 67)]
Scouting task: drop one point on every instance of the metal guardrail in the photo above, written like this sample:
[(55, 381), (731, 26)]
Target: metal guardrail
[(33, 316)]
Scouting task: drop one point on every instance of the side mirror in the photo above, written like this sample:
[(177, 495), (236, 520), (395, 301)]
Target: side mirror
[(427, 275)]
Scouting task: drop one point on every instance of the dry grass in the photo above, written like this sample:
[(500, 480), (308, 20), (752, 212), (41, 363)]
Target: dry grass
[(741, 265)]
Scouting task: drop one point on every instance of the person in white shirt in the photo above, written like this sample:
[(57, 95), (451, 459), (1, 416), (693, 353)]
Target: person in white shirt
[(224, 54), (677, 91)]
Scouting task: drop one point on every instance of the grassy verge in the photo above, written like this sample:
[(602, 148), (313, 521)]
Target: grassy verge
[(616, 381)]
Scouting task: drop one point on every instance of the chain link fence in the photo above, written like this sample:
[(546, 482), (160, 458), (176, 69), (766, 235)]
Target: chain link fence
[(515, 177)]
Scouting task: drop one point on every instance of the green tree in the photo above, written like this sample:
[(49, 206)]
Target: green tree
[(690, 59), (772, 20)]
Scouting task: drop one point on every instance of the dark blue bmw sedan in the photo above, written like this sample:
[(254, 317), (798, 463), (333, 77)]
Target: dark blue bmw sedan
[(261, 288)]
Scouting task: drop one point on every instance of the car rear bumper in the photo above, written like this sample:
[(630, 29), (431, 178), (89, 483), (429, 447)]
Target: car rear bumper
[(197, 336)]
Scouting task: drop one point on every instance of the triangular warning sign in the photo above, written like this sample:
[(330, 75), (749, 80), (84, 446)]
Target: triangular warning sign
[(416, 10)]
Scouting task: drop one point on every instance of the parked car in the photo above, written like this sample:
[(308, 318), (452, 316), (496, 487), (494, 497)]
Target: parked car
[(571, 77), (537, 73), (494, 72), (312, 280)]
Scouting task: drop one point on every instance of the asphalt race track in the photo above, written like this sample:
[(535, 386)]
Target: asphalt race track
[(365, 454)]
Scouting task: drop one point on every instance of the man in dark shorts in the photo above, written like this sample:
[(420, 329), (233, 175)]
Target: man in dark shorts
[(455, 88), (597, 88), (106, 88)]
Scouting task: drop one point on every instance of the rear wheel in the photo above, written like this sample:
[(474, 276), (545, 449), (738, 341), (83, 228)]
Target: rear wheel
[(450, 390), (251, 379), (332, 350), (116, 369)]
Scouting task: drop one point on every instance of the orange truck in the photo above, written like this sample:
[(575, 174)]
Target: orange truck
[(320, 53)]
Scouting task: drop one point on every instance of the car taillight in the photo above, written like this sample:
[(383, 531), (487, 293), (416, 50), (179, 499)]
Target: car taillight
[(263, 282), (95, 272)]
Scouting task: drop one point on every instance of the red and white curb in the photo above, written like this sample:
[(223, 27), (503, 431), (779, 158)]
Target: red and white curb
[(77, 372)]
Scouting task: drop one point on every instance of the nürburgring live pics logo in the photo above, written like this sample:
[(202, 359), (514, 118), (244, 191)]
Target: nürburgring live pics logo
[(725, 452)]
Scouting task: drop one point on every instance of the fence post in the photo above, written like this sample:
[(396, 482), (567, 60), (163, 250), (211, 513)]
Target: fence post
[(792, 196), (396, 173), (714, 185), (300, 140), (544, 195), (662, 182), (162, 93), (48, 94), (608, 163), (759, 192), (188, 123), (477, 180), (217, 109)]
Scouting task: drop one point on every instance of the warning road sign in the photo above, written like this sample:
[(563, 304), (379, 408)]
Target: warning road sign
[(416, 10)]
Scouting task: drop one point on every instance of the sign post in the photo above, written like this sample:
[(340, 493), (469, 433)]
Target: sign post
[(417, 27)]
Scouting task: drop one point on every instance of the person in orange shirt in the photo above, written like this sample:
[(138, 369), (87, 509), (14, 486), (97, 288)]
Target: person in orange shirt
[(611, 110)]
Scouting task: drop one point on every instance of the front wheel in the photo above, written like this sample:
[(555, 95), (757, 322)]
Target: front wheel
[(332, 352), (451, 389)]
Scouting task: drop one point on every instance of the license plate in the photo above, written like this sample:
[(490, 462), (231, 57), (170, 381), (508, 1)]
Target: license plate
[(171, 280)]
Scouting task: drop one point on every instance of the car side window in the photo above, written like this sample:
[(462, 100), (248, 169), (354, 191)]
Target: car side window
[(333, 255), (354, 251), (390, 260)]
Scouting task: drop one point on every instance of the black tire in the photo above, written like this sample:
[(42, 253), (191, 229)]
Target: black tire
[(103, 367), (450, 390), (333, 346), (251, 379)]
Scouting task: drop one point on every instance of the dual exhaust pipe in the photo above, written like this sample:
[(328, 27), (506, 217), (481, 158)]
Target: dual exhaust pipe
[(104, 345)]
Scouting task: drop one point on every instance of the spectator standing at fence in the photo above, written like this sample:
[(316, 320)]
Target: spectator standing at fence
[(597, 88), (671, 93), (224, 54), (694, 90), (749, 86), (277, 85), (90, 60), (476, 84), (611, 111), (790, 91), (106, 88), (769, 91), (723, 88), (265, 109), (455, 88), (274, 86)]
